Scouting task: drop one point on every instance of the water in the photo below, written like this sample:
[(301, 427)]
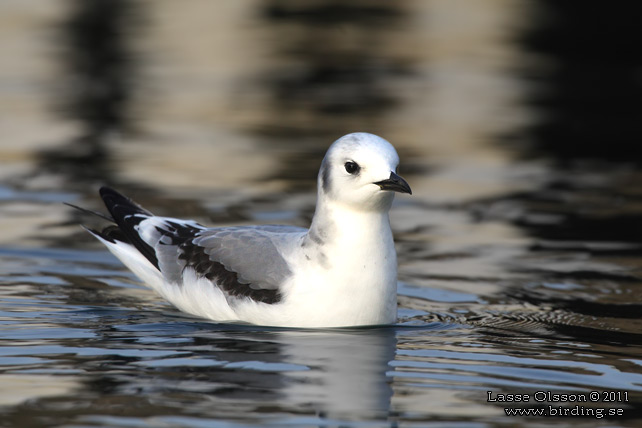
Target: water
[(520, 250)]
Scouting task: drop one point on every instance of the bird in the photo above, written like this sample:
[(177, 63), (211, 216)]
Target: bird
[(340, 272)]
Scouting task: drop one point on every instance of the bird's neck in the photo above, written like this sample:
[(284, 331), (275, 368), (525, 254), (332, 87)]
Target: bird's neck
[(336, 224)]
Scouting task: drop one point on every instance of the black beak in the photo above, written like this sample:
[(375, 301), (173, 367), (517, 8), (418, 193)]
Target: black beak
[(394, 183)]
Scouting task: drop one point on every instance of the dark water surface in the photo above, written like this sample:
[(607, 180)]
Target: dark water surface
[(520, 251)]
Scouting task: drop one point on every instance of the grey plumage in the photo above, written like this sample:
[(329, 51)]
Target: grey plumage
[(242, 261)]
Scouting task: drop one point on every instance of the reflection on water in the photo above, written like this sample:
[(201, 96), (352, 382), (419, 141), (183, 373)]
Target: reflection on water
[(96, 86), (109, 355), (517, 275), (590, 88), (92, 350), (323, 82), (95, 44)]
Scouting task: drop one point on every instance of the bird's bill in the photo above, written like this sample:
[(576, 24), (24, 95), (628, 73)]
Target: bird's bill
[(394, 183)]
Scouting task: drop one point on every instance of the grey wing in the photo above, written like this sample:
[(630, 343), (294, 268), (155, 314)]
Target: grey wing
[(253, 252), (244, 262)]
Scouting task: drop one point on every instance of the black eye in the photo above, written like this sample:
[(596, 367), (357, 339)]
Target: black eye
[(352, 167)]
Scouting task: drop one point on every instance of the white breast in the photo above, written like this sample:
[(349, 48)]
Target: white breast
[(356, 282)]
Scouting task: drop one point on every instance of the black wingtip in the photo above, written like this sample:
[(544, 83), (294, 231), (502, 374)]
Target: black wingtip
[(113, 199), (127, 214)]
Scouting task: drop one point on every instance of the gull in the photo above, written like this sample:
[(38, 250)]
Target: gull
[(340, 272)]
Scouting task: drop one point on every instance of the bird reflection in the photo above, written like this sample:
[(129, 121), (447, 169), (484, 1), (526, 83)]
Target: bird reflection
[(347, 371), (334, 374)]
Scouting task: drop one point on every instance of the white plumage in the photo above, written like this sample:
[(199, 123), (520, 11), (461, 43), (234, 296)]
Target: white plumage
[(340, 272)]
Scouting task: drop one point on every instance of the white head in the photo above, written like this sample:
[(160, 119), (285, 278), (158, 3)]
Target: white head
[(359, 170)]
